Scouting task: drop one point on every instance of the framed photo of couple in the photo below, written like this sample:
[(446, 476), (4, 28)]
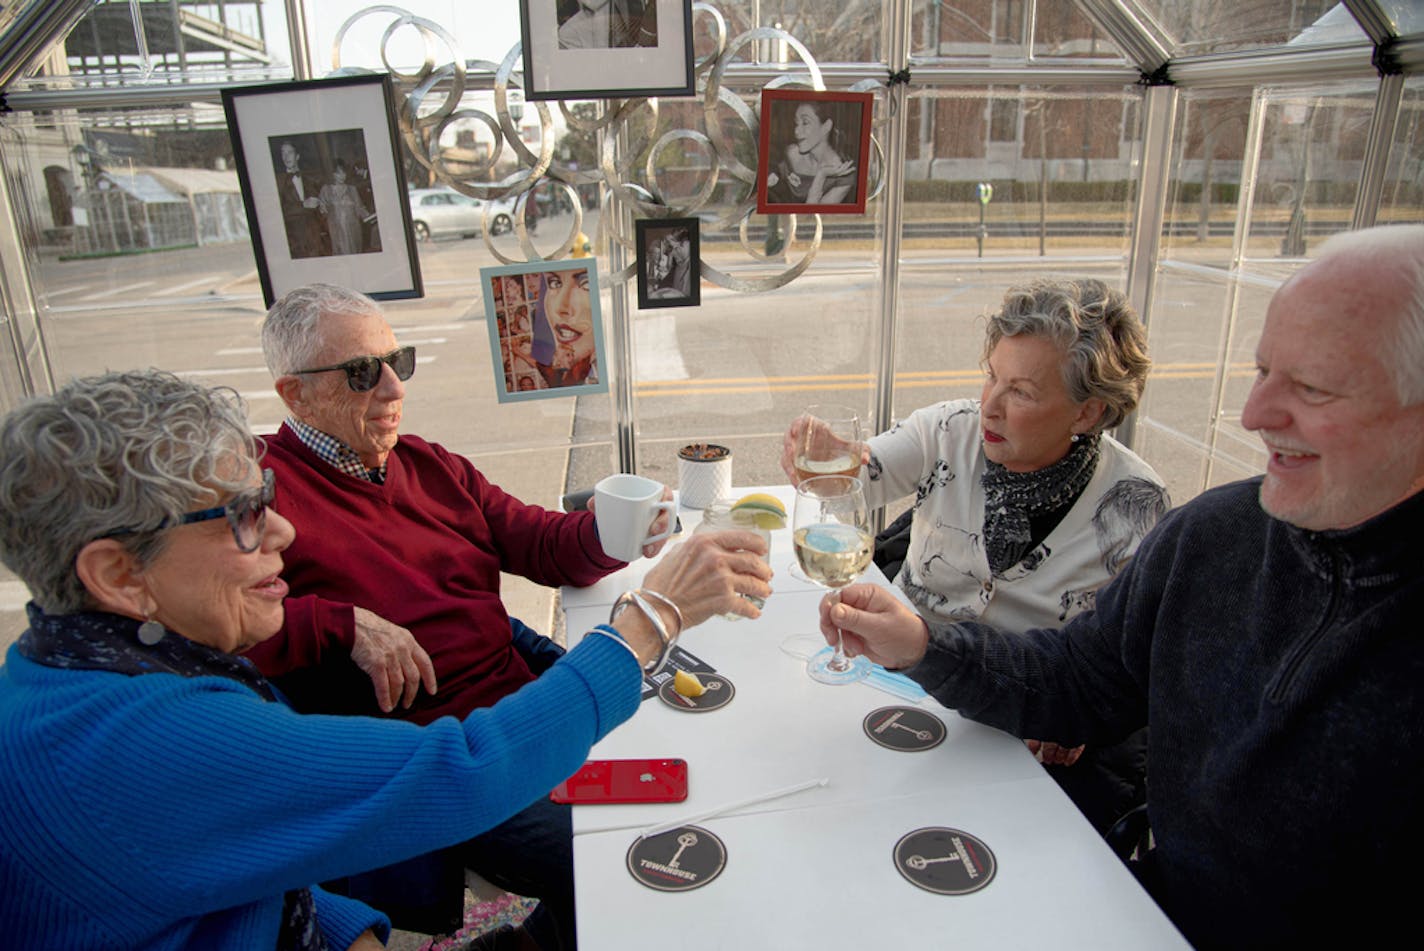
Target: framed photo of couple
[(814, 152), (669, 250), (546, 329), (606, 49), (324, 185)]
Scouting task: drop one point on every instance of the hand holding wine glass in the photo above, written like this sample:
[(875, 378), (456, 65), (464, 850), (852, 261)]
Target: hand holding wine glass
[(831, 534), (824, 440)]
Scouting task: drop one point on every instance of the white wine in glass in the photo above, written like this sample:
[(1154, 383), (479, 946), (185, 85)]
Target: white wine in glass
[(831, 535), (829, 443)]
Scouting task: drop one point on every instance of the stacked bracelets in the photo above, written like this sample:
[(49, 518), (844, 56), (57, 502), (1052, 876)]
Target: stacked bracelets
[(639, 598)]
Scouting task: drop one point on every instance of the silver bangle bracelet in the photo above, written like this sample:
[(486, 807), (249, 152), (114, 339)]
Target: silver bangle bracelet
[(664, 599), (612, 634), (655, 619)]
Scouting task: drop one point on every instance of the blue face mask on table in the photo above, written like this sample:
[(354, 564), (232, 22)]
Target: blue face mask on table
[(805, 646)]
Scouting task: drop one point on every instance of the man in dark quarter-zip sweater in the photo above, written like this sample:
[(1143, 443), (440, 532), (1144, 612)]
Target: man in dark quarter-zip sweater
[(1270, 633)]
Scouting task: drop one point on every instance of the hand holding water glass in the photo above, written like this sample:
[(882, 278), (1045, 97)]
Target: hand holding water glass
[(721, 514)]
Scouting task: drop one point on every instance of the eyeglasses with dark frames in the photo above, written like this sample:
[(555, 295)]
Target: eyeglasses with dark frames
[(246, 515), (363, 373)]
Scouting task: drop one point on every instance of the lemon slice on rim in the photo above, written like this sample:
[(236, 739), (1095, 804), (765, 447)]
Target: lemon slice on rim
[(768, 511)]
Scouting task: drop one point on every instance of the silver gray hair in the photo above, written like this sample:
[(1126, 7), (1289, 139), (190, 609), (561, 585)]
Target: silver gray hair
[(1401, 249), (290, 332), (117, 453), (1103, 342)]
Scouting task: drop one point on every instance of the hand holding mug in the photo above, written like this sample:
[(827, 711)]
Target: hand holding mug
[(634, 515)]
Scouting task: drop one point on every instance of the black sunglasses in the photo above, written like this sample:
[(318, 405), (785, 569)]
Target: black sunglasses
[(363, 373), (246, 515)]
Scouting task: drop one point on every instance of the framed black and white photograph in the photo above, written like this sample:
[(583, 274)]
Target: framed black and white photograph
[(814, 153), (606, 49), (546, 329), (324, 185), (668, 272)]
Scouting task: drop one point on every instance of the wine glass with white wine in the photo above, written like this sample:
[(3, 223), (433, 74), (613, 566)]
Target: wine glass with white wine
[(828, 444), (831, 534)]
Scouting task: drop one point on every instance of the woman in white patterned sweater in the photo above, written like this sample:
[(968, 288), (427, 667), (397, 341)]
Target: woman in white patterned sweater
[(1023, 506)]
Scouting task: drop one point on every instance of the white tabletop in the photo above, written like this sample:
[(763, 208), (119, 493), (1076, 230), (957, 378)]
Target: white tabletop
[(823, 878), (815, 869)]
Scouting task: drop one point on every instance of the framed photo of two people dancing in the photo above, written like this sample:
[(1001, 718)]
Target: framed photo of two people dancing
[(669, 272), (814, 153), (606, 49), (324, 185)]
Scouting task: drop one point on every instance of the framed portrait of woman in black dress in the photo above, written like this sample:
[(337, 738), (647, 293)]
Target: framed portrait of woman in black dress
[(814, 152)]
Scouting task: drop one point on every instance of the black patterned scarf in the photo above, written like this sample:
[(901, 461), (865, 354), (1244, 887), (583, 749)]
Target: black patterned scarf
[(97, 641), (1013, 500)]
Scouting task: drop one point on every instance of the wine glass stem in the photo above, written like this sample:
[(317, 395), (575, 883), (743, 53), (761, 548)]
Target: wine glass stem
[(839, 662)]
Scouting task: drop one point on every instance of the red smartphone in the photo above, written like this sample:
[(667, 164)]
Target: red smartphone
[(624, 780)]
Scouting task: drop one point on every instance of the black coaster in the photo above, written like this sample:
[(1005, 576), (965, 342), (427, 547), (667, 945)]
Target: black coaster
[(719, 693), (678, 860), (945, 861), (679, 659), (908, 729)]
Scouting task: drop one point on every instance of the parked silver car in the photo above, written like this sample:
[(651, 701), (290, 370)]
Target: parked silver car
[(440, 212)]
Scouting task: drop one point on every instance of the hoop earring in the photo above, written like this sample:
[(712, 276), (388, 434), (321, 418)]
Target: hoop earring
[(150, 632)]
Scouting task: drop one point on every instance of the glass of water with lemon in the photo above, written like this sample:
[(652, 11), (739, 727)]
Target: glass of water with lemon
[(759, 513)]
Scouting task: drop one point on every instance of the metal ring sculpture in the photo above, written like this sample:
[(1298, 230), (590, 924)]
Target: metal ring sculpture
[(429, 105)]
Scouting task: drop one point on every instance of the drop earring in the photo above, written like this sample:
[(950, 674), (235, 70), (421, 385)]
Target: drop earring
[(150, 632)]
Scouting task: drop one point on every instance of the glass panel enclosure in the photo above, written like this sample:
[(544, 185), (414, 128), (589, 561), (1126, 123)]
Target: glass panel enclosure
[(130, 227), (1061, 30), (1402, 200), (738, 368), (1217, 26), (1406, 16), (849, 31), (1060, 166), (1298, 150), (999, 30), (180, 36)]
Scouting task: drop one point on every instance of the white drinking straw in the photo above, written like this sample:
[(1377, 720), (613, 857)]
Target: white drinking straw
[(733, 806)]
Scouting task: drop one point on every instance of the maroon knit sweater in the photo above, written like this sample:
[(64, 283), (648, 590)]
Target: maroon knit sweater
[(424, 550)]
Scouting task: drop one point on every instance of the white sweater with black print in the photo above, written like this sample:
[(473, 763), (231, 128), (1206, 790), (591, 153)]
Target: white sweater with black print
[(937, 455)]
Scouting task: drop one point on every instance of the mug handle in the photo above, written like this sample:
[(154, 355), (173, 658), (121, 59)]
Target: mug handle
[(670, 506)]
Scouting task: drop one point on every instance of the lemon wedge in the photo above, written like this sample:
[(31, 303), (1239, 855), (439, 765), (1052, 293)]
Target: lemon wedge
[(687, 684), (768, 511)]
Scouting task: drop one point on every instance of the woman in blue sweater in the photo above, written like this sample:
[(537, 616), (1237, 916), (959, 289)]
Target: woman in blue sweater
[(154, 794)]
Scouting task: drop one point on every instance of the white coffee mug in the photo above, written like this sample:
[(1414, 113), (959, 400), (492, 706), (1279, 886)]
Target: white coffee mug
[(625, 507)]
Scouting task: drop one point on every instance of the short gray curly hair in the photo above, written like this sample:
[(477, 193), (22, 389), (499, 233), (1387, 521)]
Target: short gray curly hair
[(289, 332), (108, 454), (1103, 341)]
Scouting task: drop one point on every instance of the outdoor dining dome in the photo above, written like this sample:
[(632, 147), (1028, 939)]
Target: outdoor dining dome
[(1194, 154)]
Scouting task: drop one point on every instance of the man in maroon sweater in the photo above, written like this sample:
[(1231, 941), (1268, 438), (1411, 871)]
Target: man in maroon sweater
[(395, 569)]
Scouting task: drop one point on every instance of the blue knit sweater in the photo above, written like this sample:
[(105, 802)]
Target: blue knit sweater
[(166, 812), (1282, 674)]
